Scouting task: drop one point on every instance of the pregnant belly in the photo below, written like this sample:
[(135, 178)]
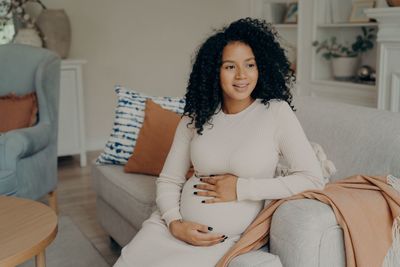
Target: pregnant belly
[(229, 218)]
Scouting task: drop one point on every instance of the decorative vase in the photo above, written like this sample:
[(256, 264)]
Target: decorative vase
[(56, 29), (28, 36), (393, 2), (344, 68)]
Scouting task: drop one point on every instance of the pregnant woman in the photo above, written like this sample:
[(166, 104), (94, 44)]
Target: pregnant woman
[(237, 120)]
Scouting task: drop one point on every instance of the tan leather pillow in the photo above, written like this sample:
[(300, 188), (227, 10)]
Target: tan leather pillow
[(154, 141), (17, 111)]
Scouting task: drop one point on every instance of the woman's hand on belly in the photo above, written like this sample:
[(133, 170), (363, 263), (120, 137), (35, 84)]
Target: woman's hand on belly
[(194, 233), (220, 188)]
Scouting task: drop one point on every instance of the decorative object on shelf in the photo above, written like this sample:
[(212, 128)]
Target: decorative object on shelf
[(28, 36), (274, 12), (344, 68), (15, 10), (357, 11), (393, 3), (56, 29), (345, 58), (341, 10), (325, 14), (291, 13), (364, 73)]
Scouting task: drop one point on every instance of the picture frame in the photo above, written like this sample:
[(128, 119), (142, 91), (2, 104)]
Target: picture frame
[(291, 13), (357, 10)]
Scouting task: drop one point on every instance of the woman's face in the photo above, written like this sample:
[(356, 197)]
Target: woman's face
[(238, 73)]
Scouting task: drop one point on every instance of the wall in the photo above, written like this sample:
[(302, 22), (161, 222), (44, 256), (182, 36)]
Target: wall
[(146, 45)]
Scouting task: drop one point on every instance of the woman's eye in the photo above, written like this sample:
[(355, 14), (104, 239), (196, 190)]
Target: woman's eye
[(251, 65), (229, 67)]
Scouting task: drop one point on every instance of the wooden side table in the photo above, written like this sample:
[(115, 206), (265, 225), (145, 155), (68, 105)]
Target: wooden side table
[(27, 227)]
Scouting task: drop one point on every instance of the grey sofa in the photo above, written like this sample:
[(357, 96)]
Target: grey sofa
[(28, 156), (304, 233)]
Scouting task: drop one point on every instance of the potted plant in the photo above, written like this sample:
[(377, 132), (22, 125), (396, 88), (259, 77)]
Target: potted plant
[(345, 58)]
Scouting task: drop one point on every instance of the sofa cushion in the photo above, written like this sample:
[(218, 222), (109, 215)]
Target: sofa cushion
[(129, 116), (327, 166), (257, 258), (359, 140), (154, 141), (17, 111), (132, 195)]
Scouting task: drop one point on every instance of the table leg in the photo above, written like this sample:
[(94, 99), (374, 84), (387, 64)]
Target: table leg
[(41, 259)]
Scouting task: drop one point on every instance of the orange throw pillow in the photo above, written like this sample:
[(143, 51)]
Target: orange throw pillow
[(17, 111), (154, 141)]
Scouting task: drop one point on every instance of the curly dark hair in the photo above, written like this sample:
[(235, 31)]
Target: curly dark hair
[(275, 79)]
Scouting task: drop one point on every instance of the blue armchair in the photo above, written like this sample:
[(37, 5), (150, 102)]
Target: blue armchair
[(28, 156)]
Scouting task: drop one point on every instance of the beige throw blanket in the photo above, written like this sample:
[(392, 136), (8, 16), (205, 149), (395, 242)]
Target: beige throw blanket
[(365, 207)]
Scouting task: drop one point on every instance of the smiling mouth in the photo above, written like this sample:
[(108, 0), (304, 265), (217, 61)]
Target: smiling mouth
[(241, 87)]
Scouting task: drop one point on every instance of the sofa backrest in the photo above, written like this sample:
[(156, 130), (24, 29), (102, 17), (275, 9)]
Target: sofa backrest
[(358, 140)]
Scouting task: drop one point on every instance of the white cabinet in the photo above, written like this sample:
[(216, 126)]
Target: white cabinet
[(71, 131)]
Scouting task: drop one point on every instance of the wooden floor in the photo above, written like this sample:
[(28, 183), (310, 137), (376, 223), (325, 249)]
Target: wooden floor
[(77, 199)]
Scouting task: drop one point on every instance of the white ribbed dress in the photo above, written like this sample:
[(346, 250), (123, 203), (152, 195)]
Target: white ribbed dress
[(246, 144)]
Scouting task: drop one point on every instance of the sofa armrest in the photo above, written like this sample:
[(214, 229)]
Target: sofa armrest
[(305, 233), (21, 143)]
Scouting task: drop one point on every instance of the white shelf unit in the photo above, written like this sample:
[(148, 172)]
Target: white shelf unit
[(314, 75), (321, 68), (321, 79), (347, 25)]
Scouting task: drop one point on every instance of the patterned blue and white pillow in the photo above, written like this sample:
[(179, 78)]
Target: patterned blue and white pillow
[(128, 121)]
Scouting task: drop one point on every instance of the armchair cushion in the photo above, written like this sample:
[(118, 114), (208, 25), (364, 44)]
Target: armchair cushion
[(17, 111)]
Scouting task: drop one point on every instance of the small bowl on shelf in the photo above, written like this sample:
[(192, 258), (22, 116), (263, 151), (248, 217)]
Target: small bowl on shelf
[(393, 3)]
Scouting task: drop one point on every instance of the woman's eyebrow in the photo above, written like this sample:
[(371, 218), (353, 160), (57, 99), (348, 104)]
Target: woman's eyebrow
[(231, 61)]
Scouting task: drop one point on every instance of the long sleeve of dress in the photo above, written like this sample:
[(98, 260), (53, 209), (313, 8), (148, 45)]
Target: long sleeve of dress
[(306, 171), (172, 176)]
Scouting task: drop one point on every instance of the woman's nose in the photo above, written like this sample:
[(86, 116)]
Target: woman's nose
[(240, 73)]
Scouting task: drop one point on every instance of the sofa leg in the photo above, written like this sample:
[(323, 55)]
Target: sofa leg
[(53, 203)]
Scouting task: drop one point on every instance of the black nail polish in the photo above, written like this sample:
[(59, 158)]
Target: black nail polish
[(195, 193), (203, 201), (223, 240), (195, 186), (224, 236), (210, 228)]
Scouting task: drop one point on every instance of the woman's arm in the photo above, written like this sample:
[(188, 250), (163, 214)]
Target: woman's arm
[(169, 187), (172, 176), (295, 147)]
